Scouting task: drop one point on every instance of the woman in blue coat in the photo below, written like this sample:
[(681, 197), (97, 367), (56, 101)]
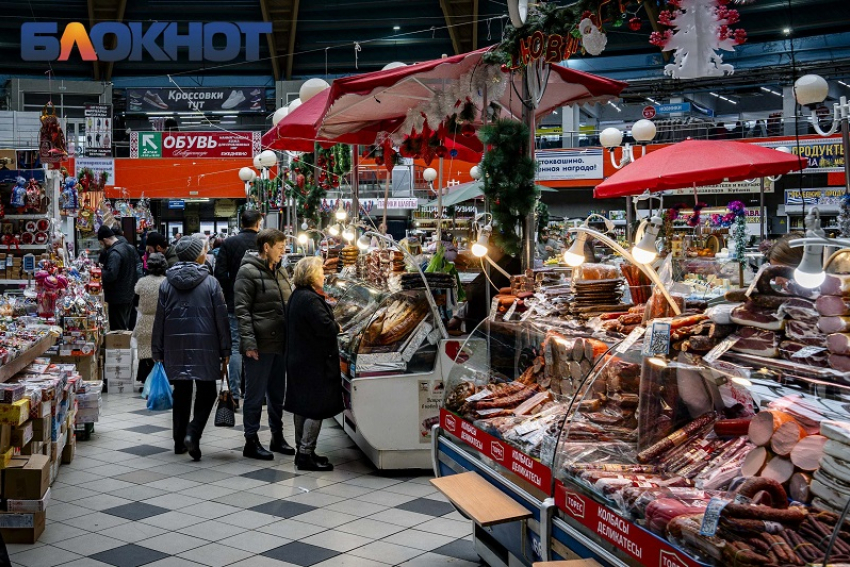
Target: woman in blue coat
[(191, 337)]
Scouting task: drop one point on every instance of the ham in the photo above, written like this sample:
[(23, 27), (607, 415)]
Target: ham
[(799, 487), (805, 332), (800, 309), (786, 437), (806, 454), (787, 350), (779, 469), (830, 325), (757, 342), (750, 315), (839, 362), (764, 424), (835, 284), (838, 343), (833, 306)]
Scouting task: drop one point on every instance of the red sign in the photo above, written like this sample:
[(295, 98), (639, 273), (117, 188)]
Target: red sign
[(648, 549), (533, 471), (211, 144), (649, 112)]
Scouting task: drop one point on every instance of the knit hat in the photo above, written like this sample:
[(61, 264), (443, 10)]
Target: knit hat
[(104, 232), (189, 248), (156, 239)]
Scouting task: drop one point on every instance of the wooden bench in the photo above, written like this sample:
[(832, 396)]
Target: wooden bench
[(480, 500)]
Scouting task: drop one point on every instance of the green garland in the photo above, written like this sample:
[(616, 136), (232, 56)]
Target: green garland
[(552, 18), (510, 175)]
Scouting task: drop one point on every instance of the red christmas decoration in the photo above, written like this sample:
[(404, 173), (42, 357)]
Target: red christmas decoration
[(468, 130), (635, 24)]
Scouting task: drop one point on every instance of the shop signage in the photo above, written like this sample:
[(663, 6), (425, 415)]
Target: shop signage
[(368, 205), (133, 41), (823, 155), (639, 544), (825, 196), (179, 204), (430, 400), (172, 145), (673, 107), (725, 188), (98, 130), (531, 470), (569, 164), (97, 166), (552, 48), (649, 112), (206, 99)]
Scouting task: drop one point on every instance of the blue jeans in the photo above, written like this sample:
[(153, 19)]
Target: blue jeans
[(234, 369)]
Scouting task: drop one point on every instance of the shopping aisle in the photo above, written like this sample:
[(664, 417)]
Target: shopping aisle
[(127, 500)]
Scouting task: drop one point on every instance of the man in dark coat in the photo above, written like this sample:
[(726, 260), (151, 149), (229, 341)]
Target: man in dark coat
[(227, 265), (191, 337), (262, 290), (156, 242), (122, 268), (313, 382)]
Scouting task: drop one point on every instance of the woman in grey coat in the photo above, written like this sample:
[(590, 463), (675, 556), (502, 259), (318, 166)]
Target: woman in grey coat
[(147, 289), (260, 294), (191, 337)]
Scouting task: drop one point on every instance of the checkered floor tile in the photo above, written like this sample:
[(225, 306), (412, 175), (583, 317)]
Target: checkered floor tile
[(127, 501)]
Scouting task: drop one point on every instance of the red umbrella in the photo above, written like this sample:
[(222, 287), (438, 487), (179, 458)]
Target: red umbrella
[(697, 163), (297, 133), (389, 95)]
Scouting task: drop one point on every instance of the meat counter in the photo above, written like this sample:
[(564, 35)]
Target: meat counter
[(391, 371)]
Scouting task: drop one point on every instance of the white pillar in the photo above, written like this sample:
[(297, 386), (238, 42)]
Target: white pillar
[(570, 125), (789, 110)]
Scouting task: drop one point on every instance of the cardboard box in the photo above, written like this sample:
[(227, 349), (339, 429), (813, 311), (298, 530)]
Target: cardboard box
[(33, 448), (6, 457), (119, 357), (70, 450), (27, 479), (29, 505), (16, 413), (5, 436), (46, 450), (22, 434), (22, 528), (41, 428), (118, 339)]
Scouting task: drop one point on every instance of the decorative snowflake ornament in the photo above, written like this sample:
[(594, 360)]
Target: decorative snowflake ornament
[(701, 30)]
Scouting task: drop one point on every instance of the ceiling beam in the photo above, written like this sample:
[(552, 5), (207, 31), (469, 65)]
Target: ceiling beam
[(272, 43), (95, 63), (448, 14), (290, 55)]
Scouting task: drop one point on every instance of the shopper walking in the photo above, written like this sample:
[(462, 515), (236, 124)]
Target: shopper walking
[(157, 242), (122, 268), (147, 289), (226, 268), (260, 295), (313, 386), (191, 337)]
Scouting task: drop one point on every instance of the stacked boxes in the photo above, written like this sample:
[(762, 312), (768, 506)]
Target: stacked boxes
[(26, 483), (118, 367)]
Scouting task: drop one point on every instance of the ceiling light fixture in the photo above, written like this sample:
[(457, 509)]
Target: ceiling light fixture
[(396, 28)]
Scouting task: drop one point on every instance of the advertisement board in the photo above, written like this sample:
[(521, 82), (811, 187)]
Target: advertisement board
[(569, 164), (151, 145)]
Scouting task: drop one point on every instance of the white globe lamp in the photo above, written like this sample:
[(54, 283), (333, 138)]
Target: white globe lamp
[(294, 104), (643, 131), (279, 115), (394, 65), (475, 172), (811, 90), (267, 158), (429, 174), (311, 88), (610, 137), (247, 174), (257, 162)]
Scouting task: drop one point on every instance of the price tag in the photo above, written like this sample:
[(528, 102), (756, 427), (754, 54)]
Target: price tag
[(712, 516), (720, 349), (479, 396), (494, 308), (630, 340), (65, 352), (489, 411), (511, 310), (756, 278), (807, 351), (528, 313), (657, 339)]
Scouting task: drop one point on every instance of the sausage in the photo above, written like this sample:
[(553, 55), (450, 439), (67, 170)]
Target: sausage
[(807, 454), (786, 437), (839, 362), (732, 427), (772, 488), (792, 515)]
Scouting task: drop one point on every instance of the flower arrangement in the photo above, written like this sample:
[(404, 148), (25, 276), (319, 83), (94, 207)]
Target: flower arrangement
[(695, 218)]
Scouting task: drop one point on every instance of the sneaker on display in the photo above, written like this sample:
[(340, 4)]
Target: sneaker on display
[(234, 99), (153, 99), (257, 105), (256, 92)]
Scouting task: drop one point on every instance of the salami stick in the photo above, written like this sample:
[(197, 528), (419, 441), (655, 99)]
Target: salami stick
[(676, 438)]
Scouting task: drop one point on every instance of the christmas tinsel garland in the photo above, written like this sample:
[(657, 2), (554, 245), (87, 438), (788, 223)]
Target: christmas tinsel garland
[(315, 173), (510, 175)]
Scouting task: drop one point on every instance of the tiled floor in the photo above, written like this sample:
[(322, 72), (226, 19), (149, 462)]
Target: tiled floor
[(127, 500)]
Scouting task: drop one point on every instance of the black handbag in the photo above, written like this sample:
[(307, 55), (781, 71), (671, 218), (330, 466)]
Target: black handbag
[(225, 413)]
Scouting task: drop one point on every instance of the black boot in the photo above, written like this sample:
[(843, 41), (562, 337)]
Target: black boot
[(321, 459), (191, 445), (279, 444), (254, 449), (308, 462)]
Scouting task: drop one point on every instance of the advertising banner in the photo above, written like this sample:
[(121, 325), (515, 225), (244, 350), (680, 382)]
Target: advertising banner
[(823, 155), (724, 188), (569, 164), (97, 165), (195, 144), (98, 130), (207, 99)]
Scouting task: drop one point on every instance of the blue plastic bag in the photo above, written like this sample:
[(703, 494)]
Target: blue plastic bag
[(159, 395), (147, 389)]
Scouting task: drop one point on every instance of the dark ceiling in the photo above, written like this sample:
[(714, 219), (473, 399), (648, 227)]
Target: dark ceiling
[(316, 37)]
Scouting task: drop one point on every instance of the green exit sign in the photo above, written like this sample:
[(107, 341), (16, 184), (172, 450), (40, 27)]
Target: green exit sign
[(150, 144)]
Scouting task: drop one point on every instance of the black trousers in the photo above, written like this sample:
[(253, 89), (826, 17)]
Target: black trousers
[(120, 315), (264, 379), (145, 367), (206, 393)]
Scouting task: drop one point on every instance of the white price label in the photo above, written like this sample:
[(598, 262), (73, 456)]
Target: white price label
[(807, 351), (479, 396), (489, 411), (511, 310), (630, 340), (494, 308), (755, 281), (528, 313), (720, 349)]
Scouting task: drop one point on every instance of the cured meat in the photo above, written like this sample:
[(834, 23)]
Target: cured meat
[(786, 437), (757, 342), (732, 427), (775, 493), (750, 315), (787, 350), (800, 309), (769, 301), (676, 438), (659, 512), (836, 430), (830, 325), (799, 487), (838, 343), (839, 362), (779, 469), (764, 424), (835, 284), (754, 462), (787, 286), (763, 285), (807, 454), (805, 332), (837, 450), (836, 467), (833, 306)]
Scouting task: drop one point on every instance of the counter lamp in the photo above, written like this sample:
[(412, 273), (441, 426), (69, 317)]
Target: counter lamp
[(481, 247), (574, 256), (644, 251), (810, 272)]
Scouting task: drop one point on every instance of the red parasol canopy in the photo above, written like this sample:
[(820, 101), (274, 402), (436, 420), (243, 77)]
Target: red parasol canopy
[(697, 162), (356, 101)]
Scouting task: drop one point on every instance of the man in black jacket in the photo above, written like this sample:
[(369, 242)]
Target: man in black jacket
[(122, 268), (156, 242), (226, 267)]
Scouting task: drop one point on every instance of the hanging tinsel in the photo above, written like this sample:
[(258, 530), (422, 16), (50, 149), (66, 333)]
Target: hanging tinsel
[(510, 175)]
